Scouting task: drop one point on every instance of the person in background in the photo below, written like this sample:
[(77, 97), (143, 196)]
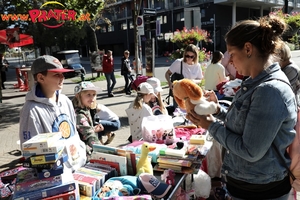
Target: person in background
[(108, 119), (138, 109), (191, 68), (47, 110), (259, 126), (85, 96), (108, 70), (3, 67), (156, 104), (215, 72), (126, 71), (290, 68), (229, 67)]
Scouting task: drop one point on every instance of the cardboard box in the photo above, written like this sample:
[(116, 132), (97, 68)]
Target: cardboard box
[(47, 158), (43, 140), (63, 158), (46, 173), (53, 148), (48, 192), (64, 196), (33, 183)]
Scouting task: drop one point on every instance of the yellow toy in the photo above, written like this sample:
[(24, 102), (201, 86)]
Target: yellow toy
[(189, 96), (144, 164)]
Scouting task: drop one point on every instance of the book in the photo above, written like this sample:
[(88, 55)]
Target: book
[(86, 189), (172, 152), (43, 140), (109, 150), (114, 165), (169, 166), (194, 169), (113, 158), (88, 185), (94, 173), (46, 158), (198, 139), (176, 162), (106, 169)]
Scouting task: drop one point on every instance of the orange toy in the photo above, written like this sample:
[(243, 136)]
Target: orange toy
[(189, 96)]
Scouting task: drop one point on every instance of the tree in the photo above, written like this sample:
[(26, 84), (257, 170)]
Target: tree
[(67, 36)]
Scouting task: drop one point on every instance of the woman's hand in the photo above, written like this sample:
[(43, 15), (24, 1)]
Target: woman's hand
[(98, 128), (211, 96), (200, 120)]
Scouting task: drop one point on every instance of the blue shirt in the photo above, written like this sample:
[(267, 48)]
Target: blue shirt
[(262, 112)]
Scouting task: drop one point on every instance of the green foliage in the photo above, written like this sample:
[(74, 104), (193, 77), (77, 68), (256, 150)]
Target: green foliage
[(193, 36)]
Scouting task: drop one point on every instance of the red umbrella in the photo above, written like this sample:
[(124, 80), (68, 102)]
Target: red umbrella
[(12, 38)]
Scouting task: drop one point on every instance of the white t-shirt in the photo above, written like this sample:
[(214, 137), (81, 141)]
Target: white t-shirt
[(214, 74), (188, 71), (135, 118), (106, 114)]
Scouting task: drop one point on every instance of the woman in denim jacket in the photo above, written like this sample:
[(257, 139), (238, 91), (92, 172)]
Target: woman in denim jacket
[(262, 113)]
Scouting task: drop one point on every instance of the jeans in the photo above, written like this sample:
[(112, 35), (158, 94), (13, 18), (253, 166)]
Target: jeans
[(127, 84), (110, 77), (109, 126), (284, 197)]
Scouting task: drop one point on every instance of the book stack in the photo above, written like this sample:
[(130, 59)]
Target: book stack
[(91, 177), (43, 175), (124, 161), (178, 160)]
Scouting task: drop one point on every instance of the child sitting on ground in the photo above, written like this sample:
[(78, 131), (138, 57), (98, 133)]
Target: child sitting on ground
[(85, 96), (108, 119)]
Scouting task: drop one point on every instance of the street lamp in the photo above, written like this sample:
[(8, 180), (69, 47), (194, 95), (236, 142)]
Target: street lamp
[(214, 20)]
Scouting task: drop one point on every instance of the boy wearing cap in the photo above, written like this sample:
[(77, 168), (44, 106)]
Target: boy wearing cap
[(47, 110), (139, 109)]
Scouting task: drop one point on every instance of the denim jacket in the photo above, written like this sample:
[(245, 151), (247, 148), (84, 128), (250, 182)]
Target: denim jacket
[(263, 112)]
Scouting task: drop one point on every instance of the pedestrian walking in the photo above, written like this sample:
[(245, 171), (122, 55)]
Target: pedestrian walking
[(126, 71), (109, 72)]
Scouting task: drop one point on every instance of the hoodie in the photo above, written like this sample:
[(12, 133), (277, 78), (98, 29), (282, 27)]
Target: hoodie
[(42, 115)]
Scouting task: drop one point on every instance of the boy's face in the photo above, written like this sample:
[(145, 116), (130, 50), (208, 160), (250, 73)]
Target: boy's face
[(53, 80), (88, 97)]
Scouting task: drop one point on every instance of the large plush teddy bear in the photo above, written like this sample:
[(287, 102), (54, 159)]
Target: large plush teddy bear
[(189, 96)]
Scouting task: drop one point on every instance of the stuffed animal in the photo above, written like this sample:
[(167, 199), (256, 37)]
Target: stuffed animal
[(169, 177), (144, 164), (189, 96)]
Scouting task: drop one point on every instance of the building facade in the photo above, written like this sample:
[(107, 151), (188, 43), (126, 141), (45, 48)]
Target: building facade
[(210, 15)]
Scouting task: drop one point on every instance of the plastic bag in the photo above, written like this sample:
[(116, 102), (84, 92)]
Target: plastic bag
[(158, 129)]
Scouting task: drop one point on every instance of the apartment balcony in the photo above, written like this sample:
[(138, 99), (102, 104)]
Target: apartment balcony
[(253, 3)]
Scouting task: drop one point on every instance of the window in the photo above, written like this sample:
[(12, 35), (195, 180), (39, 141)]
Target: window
[(162, 19), (123, 26), (111, 28), (179, 17), (131, 25)]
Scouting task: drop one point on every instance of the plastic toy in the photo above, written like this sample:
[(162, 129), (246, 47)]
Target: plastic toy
[(144, 164)]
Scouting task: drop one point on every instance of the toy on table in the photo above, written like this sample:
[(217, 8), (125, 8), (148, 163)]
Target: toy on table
[(144, 164), (189, 96), (129, 186), (169, 177)]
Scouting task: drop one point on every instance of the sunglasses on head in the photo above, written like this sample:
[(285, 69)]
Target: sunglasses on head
[(188, 56)]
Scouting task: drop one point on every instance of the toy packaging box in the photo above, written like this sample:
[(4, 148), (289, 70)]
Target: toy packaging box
[(48, 192), (51, 165), (44, 140), (53, 148), (27, 181), (64, 196)]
